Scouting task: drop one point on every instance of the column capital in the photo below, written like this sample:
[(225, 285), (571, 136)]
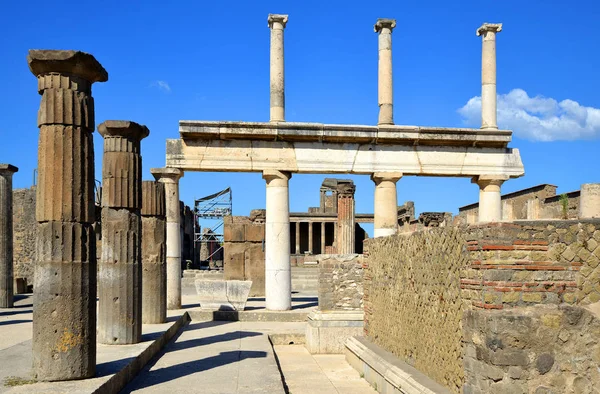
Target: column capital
[(346, 189), (8, 169), (123, 129), (487, 180), (270, 175), (384, 23), (167, 174), (379, 177), (80, 64), (277, 18), (489, 27)]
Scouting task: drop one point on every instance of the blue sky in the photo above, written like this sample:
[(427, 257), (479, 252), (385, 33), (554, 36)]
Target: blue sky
[(200, 60)]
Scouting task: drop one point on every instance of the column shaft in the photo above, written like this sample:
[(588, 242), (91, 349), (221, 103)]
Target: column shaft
[(490, 202), (277, 24), (278, 280), (385, 82), (322, 237), (6, 236), (64, 313), (346, 218), (310, 238), (488, 75), (298, 238), (386, 203)]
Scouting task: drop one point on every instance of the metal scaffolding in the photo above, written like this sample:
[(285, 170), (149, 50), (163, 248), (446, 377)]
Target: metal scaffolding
[(209, 212)]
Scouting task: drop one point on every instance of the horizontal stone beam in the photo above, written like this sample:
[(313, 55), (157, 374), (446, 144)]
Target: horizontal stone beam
[(360, 134), (325, 157)]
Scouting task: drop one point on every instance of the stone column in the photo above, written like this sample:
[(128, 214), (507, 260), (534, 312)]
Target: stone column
[(490, 203), (120, 273), (278, 280), (154, 253), (488, 74), (297, 237), (384, 87), (310, 238), (386, 203), (322, 237), (345, 218), (170, 178), (64, 300), (589, 201), (277, 24), (6, 236)]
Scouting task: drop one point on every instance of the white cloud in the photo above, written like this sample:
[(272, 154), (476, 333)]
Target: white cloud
[(161, 85), (538, 118)]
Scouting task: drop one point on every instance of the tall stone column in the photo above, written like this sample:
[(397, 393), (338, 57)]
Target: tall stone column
[(322, 237), (345, 218), (386, 203), (488, 74), (384, 87), (277, 24), (120, 273), (6, 235), (170, 178), (297, 237), (589, 201), (311, 241), (154, 253), (278, 279), (490, 203), (64, 300)]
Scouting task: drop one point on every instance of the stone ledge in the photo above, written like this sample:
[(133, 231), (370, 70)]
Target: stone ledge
[(386, 372)]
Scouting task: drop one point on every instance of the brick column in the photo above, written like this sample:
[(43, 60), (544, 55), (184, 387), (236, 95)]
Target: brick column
[(64, 312), (170, 178), (488, 74), (277, 24), (297, 237), (6, 236), (120, 274), (385, 86), (322, 237), (345, 220), (490, 203), (386, 203), (154, 253), (310, 238)]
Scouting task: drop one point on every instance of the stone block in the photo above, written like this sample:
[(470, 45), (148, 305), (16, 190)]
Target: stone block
[(222, 295), (234, 232), (255, 233), (20, 285), (327, 332), (234, 261), (254, 268)]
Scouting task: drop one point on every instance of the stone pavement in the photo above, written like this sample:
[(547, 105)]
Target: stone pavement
[(318, 374)]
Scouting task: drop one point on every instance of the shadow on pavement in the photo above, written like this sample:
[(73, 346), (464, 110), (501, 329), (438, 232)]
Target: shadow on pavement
[(8, 322)]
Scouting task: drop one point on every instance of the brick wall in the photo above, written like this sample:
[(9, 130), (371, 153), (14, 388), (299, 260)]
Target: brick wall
[(413, 305), (24, 233), (244, 256), (341, 282)]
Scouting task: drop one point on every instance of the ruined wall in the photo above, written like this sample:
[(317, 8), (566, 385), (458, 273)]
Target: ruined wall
[(341, 282), (244, 255), (553, 207), (24, 233), (413, 305)]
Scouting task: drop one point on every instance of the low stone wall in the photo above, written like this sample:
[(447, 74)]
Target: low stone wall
[(341, 282), (244, 255), (413, 303), (24, 233)]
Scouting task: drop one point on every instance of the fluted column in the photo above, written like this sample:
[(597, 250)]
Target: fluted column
[(490, 203), (154, 253), (6, 236), (64, 300), (488, 74), (277, 24), (345, 218), (386, 203), (385, 87), (278, 279), (120, 274), (170, 178), (310, 238)]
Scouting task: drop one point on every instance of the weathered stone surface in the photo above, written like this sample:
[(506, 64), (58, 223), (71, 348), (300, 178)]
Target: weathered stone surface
[(345, 236), (120, 278), (223, 294), (341, 282), (64, 315), (153, 199), (544, 363), (154, 270), (6, 235), (24, 234)]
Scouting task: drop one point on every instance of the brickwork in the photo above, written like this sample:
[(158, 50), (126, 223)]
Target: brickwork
[(413, 305), (24, 232), (341, 282)]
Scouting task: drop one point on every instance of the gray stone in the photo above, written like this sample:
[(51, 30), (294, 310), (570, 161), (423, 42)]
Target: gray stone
[(543, 390), (223, 294), (508, 387), (544, 363), (515, 357), (6, 235), (572, 314), (515, 372)]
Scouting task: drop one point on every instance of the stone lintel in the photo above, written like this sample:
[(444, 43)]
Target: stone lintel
[(383, 23), (493, 27), (124, 129), (81, 64), (167, 174), (274, 18), (378, 177), (8, 168)]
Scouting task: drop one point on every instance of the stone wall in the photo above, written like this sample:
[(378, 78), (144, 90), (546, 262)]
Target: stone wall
[(244, 255), (24, 232), (341, 282), (413, 304)]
